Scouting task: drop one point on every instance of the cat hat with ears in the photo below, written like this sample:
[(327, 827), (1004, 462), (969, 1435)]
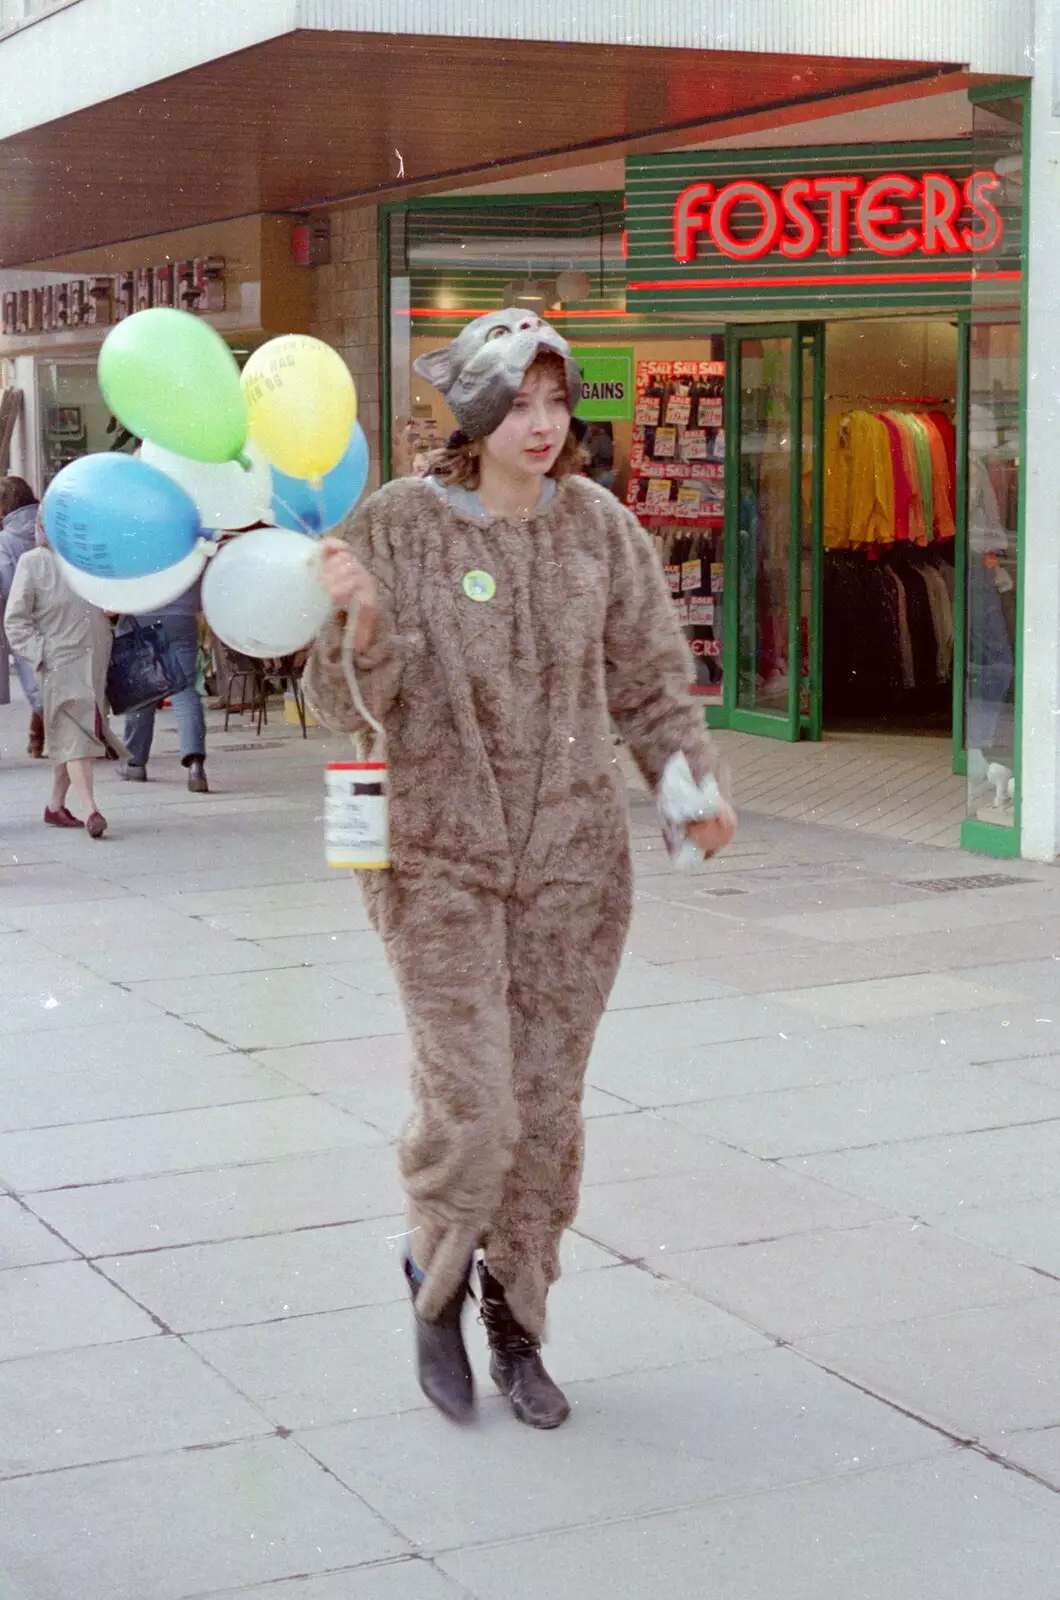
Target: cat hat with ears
[(480, 373)]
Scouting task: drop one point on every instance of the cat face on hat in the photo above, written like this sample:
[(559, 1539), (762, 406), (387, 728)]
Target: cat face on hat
[(481, 371)]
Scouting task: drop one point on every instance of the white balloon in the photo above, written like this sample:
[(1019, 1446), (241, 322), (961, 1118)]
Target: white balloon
[(262, 592), (226, 495), (138, 596)]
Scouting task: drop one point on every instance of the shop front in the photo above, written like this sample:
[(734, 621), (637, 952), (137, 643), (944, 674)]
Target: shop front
[(805, 374), (241, 277)]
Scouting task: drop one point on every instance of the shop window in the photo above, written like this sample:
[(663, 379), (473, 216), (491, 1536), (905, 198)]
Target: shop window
[(992, 570), (74, 417), (994, 486)]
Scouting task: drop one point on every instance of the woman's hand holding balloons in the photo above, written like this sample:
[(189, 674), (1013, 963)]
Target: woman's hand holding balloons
[(347, 580)]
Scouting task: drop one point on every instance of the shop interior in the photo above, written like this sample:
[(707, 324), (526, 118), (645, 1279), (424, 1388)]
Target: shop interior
[(889, 557)]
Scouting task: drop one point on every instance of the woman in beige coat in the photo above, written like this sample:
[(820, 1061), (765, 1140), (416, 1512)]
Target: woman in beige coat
[(67, 642), (505, 609)]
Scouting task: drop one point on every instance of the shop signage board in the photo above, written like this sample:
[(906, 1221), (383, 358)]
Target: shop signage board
[(856, 226), (197, 286), (607, 384)]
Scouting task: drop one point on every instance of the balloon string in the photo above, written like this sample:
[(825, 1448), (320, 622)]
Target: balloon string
[(291, 512), (349, 633)]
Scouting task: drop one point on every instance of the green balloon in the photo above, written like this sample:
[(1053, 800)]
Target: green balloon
[(172, 379)]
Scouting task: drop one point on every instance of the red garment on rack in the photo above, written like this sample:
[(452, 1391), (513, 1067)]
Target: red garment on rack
[(903, 492), (949, 440)]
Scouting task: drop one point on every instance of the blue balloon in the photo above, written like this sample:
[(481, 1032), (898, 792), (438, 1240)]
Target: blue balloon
[(296, 505), (116, 517)]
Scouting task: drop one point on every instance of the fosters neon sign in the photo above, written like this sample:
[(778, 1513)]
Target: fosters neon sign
[(891, 215)]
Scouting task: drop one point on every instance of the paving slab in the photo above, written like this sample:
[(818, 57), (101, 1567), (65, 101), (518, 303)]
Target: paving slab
[(254, 1280), (77, 1407), (979, 1373), (401, 1580), (955, 1528), (854, 1277), (647, 1032), (1035, 1450), (283, 922), (100, 1044), (925, 1176), (73, 1003), (25, 1241), (1035, 1069), (641, 1144), (64, 1306), (869, 1111), (649, 983), (30, 1098), (731, 1199), (637, 1444), (289, 1005), (185, 1524), (212, 1136), (228, 1202), (885, 1000), (1028, 1231), (806, 965)]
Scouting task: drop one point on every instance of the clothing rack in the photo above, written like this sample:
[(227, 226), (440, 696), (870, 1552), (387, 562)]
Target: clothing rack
[(888, 618), (869, 402)]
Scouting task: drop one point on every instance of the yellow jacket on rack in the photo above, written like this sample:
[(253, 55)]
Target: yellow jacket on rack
[(858, 482), (871, 481)]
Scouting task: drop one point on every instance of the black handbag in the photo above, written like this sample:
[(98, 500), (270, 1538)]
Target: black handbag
[(143, 668)]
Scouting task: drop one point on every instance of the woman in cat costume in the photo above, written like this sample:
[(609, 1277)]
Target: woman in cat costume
[(502, 611)]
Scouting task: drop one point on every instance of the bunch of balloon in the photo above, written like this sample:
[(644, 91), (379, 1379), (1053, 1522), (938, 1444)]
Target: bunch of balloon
[(127, 532), (262, 594)]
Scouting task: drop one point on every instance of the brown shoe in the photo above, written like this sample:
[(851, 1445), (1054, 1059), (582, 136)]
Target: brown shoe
[(35, 744), (96, 826), (61, 818)]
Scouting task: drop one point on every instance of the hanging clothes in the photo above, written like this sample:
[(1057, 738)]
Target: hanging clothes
[(889, 478), (888, 632)]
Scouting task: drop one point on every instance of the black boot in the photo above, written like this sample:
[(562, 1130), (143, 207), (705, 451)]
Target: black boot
[(442, 1366), (515, 1361)]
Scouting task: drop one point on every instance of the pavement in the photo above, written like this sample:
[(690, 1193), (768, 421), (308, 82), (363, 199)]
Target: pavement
[(810, 1317)]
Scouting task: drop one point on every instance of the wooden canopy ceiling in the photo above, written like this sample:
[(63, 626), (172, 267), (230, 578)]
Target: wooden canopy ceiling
[(319, 116)]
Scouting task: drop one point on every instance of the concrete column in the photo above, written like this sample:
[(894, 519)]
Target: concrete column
[(1041, 551), (345, 312)]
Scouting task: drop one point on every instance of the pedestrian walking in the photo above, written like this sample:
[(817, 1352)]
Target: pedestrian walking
[(67, 642), (18, 520), (180, 619), (497, 612)]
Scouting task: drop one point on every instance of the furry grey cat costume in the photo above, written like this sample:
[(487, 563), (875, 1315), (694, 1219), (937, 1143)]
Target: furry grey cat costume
[(505, 912)]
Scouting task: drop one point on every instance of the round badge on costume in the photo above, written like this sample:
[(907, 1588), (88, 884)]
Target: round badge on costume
[(479, 586)]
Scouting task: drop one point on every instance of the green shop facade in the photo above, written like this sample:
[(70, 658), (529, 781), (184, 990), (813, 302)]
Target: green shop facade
[(739, 313)]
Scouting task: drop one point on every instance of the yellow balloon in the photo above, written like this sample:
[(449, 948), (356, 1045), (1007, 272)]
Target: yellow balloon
[(302, 404)]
